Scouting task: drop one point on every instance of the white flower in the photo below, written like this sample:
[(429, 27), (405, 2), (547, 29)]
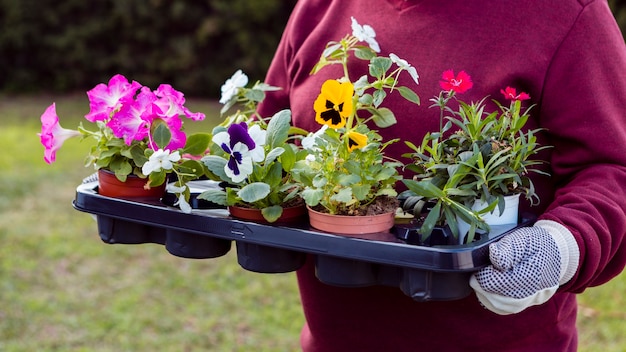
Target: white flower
[(161, 159), (182, 202), (403, 64), (309, 142), (259, 136), (366, 34), (232, 85)]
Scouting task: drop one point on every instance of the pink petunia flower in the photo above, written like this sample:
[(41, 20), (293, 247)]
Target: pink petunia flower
[(172, 103), (52, 134), (511, 94), (104, 99), (132, 121), (459, 84)]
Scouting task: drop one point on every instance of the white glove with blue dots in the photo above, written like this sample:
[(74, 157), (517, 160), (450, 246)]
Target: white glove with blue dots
[(527, 267)]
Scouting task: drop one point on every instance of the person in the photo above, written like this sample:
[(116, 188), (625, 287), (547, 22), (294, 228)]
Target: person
[(570, 57)]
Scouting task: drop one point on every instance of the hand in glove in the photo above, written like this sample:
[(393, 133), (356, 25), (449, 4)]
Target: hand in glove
[(527, 267)]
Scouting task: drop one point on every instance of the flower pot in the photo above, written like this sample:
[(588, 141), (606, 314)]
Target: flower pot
[(351, 225), (290, 214), (266, 259), (510, 214), (190, 245), (110, 186)]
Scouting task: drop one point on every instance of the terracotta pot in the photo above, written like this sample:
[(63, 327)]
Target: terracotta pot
[(351, 225), (290, 215), (110, 186)]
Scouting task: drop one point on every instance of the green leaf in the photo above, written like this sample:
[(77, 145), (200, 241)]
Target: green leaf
[(274, 175), (273, 154), (409, 94), (288, 158), (216, 165), (138, 156), (255, 95), (383, 117), (271, 214), (254, 192), (319, 181), (312, 197), (361, 191), (424, 188), (364, 53), (347, 180), (121, 167), (216, 196), (157, 178), (379, 66), (197, 144), (343, 196), (379, 95), (331, 50), (278, 129), (161, 134), (431, 220)]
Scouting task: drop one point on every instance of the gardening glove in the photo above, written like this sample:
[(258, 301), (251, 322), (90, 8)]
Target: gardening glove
[(527, 267)]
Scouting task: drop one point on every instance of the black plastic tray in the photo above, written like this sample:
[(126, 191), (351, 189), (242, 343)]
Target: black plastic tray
[(423, 273)]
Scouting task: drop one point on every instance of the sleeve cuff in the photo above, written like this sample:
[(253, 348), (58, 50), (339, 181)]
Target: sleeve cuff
[(504, 305), (568, 248)]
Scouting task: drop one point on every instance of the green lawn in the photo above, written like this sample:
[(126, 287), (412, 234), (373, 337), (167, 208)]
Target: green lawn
[(62, 289)]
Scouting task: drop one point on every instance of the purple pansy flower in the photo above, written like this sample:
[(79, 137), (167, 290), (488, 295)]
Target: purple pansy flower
[(244, 146)]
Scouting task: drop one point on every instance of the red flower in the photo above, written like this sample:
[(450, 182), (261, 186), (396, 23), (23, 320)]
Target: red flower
[(461, 83), (511, 94)]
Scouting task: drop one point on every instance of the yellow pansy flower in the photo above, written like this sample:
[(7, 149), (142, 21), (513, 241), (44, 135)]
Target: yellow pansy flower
[(356, 140), (334, 104)]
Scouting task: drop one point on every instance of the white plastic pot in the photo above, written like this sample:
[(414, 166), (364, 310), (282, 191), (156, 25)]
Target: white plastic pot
[(508, 216)]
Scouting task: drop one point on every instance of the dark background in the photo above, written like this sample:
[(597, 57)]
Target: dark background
[(69, 45)]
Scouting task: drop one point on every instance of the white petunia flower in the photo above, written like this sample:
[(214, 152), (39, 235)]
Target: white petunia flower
[(232, 85), (161, 159), (403, 64), (365, 33), (181, 202)]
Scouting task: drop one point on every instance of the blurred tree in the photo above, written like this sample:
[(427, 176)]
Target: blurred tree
[(67, 45), (619, 11), (193, 45)]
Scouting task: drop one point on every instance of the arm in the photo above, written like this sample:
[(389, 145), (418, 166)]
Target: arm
[(582, 232)]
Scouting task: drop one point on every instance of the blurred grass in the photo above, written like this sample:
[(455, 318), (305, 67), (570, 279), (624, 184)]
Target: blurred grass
[(62, 289)]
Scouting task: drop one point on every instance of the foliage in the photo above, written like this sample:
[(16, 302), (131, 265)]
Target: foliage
[(68, 45), (252, 154), (346, 169), (487, 156)]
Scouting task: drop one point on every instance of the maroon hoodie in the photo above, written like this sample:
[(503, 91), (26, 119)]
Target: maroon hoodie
[(570, 57)]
